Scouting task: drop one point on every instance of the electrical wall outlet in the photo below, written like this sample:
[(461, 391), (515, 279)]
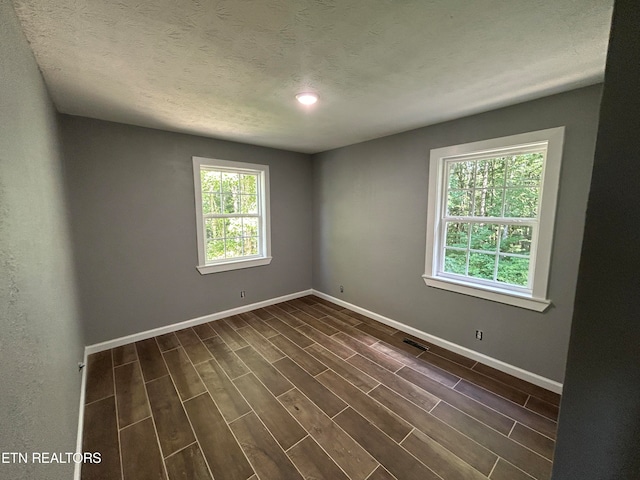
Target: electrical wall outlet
[(242, 294), (341, 289), (479, 334)]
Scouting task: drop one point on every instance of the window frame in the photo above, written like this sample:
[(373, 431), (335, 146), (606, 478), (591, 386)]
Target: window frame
[(534, 298), (264, 243)]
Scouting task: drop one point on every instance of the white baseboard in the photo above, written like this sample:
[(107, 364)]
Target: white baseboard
[(480, 357), (117, 342), (83, 384), (517, 372)]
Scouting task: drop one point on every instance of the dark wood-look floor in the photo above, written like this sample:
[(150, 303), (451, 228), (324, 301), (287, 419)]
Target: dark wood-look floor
[(308, 389)]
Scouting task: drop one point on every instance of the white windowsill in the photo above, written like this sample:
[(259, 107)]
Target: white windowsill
[(233, 265), (495, 295)]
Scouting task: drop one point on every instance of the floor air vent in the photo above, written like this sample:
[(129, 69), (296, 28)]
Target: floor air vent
[(415, 344)]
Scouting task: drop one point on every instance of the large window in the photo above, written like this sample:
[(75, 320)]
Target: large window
[(232, 214), (491, 214)]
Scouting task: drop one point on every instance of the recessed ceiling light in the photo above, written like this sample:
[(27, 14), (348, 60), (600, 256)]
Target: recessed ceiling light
[(307, 98)]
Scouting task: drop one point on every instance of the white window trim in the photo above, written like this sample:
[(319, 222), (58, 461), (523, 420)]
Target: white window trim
[(537, 300), (265, 214)]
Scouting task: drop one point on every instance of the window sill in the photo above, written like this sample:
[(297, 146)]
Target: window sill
[(495, 295), (233, 265)]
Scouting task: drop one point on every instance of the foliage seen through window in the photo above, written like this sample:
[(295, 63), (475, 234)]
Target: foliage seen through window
[(491, 210), (231, 214)]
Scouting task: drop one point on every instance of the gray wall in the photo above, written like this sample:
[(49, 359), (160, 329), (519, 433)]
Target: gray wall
[(370, 207), (41, 340), (599, 427), (133, 217)]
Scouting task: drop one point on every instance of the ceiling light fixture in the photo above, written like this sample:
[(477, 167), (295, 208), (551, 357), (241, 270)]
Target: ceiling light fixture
[(307, 98)]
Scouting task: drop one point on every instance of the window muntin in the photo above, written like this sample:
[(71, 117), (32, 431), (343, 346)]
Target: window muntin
[(232, 214), (491, 214)]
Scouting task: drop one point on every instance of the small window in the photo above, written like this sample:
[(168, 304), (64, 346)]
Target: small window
[(232, 214), (491, 215)]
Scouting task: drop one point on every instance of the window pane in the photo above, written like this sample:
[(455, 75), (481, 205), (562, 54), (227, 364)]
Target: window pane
[(250, 246), (229, 203), (210, 180), (513, 270), (525, 169), (215, 250), (249, 184), (459, 203), (461, 174), (207, 203), (457, 234), (250, 227), (521, 202), (516, 239), (214, 227), (216, 203), (248, 204), (490, 172), (233, 247), (484, 236), (455, 261), (488, 202), (211, 203), (234, 227), (208, 229), (230, 182), (481, 265)]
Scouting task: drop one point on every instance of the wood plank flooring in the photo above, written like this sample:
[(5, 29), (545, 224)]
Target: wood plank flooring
[(309, 390)]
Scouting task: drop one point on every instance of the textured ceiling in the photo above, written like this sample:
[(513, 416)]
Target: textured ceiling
[(231, 69)]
